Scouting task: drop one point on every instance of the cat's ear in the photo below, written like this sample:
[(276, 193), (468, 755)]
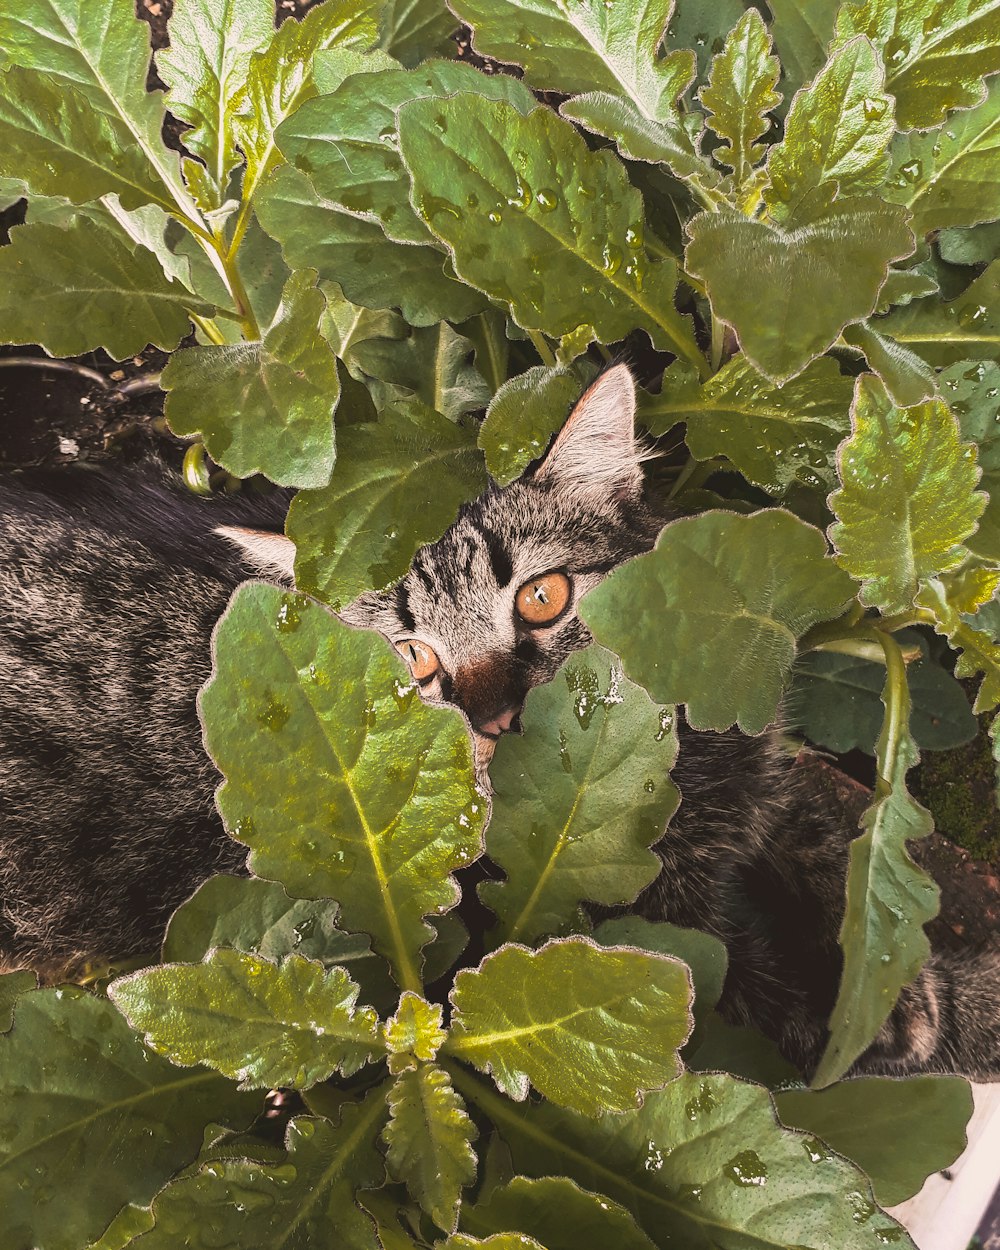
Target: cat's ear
[(596, 451), (270, 555)]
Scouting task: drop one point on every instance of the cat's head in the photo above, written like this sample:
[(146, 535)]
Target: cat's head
[(490, 610)]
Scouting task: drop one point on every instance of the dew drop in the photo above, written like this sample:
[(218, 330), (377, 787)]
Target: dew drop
[(747, 1168), (874, 107), (274, 714), (654, 1157), (666, 723), (649, 785), (912, 171), (970, 315), (611, 259), (817, 1151), (495, 217), (633, 236), (547, 200), (861, 1209), (896, 51), (521, 197), (564, 759)]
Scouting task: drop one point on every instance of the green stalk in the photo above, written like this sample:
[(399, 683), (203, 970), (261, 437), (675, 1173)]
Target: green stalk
[(542, 347)]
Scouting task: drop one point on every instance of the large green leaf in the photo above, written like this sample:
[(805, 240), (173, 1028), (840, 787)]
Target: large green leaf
[(837, 131), (101, 49), (908, 499), (898, 1131), (776, 436), (975, 245), (702, 1164), (258, 917), (428, 1140), (523, 415), (610, 53), (280, 78), (702, 25), (74, 1074), (835, 702), (372, 270), (262, 1023), (391, 808), (412, 30), (965, 328), (263, 407), (971, 390), (556, 1212), (347, 142), (398, 484), (77, 288), (936, 52), (740, 93), (52, 137), (578, 799), (347, 326), (727, 597), (951, 177), (555, 231), (589, 1027), (762, 277), (889, 898), (304, 1202), (498, 1241), (205, 68)]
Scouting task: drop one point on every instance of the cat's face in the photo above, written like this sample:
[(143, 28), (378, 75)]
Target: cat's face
[(490, 609)]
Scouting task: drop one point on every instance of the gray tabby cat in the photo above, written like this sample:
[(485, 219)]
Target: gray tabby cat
[(109, 589)]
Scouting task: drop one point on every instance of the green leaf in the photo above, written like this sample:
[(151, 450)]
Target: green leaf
[(908, 500), (979, 652), (428, 1140), (936, 52), (281, 77), (977, 245), (264, 1024), (889, 898), (702, 25), (906, 376), (499, 1241), (803, 30), (306, 1202), (11, 190), (837, 131), (12, 986), (81, 287), (347, 326), (703, 1163), (205, 68), (776, 436), (951, 177), (556, 231), (589, 1027), (372, 270), (100, 48), (835, 702), (52, 137), (579, 799), (965, 328), (432, 364), (727, 597), (74, 1074), (556, 1212), (398, 484), (904, 285), (762, 277), (971, 390), (413, 30), (740, 93), (347, 143), (523, 415), (258, 917), (414, 1034), (740, 1051), (263, 407), (898, 1131), (296, 694)]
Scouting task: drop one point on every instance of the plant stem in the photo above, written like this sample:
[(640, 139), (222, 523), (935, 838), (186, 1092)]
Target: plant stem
[(208, 327), (918, 616), (866, 649), (718, 342), (542, 347), (63, 366)]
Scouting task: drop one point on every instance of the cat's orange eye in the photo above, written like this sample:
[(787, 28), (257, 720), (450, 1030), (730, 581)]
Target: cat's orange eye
[(421, 659), (542, 599)]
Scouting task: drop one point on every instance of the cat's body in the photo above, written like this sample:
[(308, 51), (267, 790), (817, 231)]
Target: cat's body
[(110, 584)]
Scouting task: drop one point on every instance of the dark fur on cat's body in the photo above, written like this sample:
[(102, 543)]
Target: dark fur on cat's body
[(109, 588)]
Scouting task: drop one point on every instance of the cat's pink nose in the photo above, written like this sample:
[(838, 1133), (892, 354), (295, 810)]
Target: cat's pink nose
[(504, 722)]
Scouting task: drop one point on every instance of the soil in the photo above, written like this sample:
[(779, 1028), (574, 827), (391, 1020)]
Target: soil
[(93, 408)]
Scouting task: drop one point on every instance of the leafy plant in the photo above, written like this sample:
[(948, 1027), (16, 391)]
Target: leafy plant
[(792, 210)]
